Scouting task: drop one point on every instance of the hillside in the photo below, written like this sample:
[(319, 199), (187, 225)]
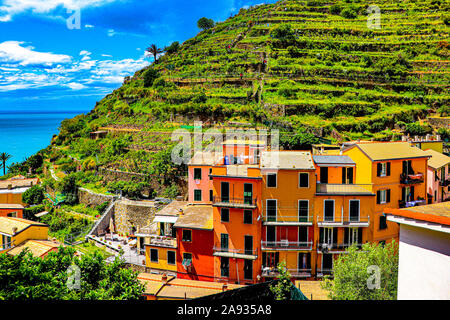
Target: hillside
[(309, 68)]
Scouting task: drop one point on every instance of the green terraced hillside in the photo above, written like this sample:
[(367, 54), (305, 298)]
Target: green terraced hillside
[(309, 68)]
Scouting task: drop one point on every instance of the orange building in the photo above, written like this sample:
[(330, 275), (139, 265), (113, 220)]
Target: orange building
[(397, 173), (288, 189), (11, 210)]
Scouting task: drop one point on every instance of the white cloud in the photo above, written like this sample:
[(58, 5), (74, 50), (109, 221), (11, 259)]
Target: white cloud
[(9, 8), (106, 55), (85, 53), (75, 86), (13, 52), (88, 26)]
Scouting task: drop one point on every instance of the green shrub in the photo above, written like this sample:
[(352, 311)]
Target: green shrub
[(349, 13), (150, 76), (34, 195)]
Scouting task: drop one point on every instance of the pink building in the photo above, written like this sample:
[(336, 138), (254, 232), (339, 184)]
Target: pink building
[(438, 178), (200, 184)]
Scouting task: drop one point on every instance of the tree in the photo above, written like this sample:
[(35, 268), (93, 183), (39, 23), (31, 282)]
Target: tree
[(282, 288), (149, 77), (34, 195), (24, 277), (283, 36), (355, 273), (173, 47), (69, 187), (301, 140), (205, 23), (3, 158), (154, 50)]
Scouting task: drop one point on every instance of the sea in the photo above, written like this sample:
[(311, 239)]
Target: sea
[(24, 133)]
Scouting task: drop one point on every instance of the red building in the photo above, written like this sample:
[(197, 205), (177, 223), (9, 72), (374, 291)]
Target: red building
[(11, 210), (195, 241)]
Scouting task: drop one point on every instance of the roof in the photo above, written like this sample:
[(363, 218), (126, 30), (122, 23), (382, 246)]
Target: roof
[(11, 206), (172, 209), (322, 160), (437, 160), (205, 159), (18, 181), (196, 217), (38, 248), (378, 151), (438, 213), (253, 293), (286, 160), (312, 289), (174, 288), (8, 224)]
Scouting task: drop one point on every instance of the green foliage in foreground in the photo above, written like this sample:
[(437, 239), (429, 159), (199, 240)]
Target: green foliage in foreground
[(353, 274), (25, 277), (34, 195), (282, 289)]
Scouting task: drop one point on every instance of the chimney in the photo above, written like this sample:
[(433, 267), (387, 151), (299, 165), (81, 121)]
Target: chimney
[(14, 230), (224, 287), (180, 211), (164, 278)]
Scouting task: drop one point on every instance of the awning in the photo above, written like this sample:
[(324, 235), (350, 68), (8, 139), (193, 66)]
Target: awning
[(168, 219)]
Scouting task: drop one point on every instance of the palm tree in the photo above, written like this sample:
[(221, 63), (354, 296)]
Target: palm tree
[(154, 50), (3, 158)]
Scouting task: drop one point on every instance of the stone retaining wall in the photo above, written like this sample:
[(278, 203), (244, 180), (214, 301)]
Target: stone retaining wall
[(92, 199), (128, 214)]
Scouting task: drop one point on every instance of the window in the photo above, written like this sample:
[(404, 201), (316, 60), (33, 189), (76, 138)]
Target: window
[(352, 236), (12, 214), (171, 257), (248, 216), (224, 267), (347, 175), (304, 180), (187, 236), (248, 245), (303, 235), (187, 261), (225, 215), (303, 210), (154, 255), (211, 197), (328, 207), (224, 242), (210, 173), (248, 269), (323, 174), (383, 169), (197, 173), (383, 196), (6, 242), (304, 261), (197, 195), (354, 210), (383, 223), (271, 180), (271, 210)]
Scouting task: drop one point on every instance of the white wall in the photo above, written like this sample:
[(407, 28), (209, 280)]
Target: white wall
[(424, 264)]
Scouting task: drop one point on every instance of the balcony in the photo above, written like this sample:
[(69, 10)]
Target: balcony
[(343, 221), (240, 203), (414, 178), (325, 247), (286, 245), (411, 203), (295, 273), (287, 220), (343, 189), (235, 253), (162, 241), (324, 272)]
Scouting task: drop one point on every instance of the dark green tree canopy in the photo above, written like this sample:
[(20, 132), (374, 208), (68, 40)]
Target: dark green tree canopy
[(205, 23)]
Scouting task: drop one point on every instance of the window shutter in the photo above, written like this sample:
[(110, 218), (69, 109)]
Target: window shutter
[(378, 169), (346, 231), (350, 175), (412, 193), (388, 169), (378, 197), (360, 230), (388, 195), (335, 236), (403, 194), (344, 171)]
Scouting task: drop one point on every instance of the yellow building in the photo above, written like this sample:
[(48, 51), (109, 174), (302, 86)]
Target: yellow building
[(38, 248), (397, 173), (15, 231)]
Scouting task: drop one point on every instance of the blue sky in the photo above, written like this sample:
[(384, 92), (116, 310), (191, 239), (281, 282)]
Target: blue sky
[(47, 65)]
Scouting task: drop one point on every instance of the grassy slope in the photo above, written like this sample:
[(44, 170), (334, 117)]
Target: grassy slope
[(333, 82)]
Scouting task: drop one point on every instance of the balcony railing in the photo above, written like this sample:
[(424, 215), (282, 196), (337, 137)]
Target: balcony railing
[(343, 220), (329, 188), (411, 203), (273, 272), (221, 251), (5, 246), (162, 241), (337, 246), (411, 178), (325, 271), (293, 219), (286, 245), (235, 202)]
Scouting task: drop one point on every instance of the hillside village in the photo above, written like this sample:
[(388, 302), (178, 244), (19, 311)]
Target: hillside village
[(328, 136)]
